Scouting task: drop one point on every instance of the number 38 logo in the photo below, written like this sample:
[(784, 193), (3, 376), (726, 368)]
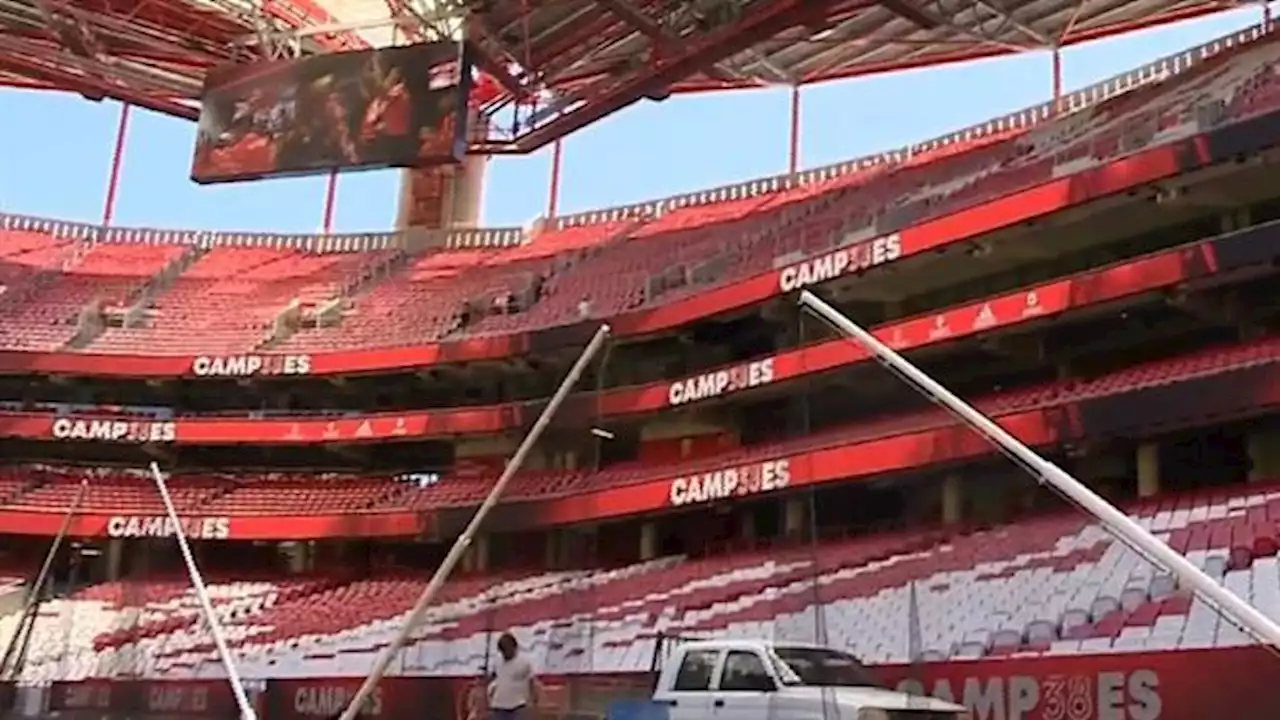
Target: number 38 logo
[(1068, 698)]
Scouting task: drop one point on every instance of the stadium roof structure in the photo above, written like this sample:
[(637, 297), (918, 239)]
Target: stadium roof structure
[(560, 64)]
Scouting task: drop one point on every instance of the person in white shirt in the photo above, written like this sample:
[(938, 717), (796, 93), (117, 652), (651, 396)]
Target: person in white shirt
[(514, 687)]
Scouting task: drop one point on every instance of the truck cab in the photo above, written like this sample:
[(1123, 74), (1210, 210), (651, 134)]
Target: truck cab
[(755, 680)]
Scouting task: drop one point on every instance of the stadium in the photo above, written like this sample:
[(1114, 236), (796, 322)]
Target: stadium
[(243, 472)]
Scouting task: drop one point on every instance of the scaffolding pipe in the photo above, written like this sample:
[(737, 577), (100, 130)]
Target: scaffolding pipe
[(1119, 524), (202, 595), (442, 573), (18, 642)]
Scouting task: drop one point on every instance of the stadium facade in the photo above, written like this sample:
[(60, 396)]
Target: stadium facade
[(1097, 273)]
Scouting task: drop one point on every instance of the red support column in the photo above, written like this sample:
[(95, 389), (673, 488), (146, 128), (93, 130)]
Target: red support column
[(553, 195), (793, 150), (330, 200), (1057, 81), (117, 161)]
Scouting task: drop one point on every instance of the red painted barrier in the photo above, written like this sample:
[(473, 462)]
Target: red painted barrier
[(1235, 684), (1225, 684)]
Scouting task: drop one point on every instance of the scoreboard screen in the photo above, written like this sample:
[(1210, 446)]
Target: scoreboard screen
[(391, 107)]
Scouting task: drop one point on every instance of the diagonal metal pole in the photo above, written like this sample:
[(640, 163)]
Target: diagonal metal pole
[(12, 661), (442, 573), (1115, 521), (202, 594)]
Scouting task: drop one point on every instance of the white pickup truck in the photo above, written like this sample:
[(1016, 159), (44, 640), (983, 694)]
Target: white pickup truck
[(758, 680)]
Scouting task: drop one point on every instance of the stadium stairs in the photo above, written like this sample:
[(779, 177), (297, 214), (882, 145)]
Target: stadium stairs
[(95, 318), (235, 299), (332, 312)]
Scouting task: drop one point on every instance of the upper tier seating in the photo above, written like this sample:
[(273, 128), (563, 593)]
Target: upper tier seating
[(228, 299), (421, 303), (1056, 585), (55, 489), (302, 495), (51, 284), (667, 258)]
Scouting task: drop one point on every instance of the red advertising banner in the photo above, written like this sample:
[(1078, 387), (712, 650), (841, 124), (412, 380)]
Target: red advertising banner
[(169, 698), (394, 698), (395, 523), (1171, 685), (260, 431), (1159, 685), (858, 458), (1050, 197), (1161, 271)]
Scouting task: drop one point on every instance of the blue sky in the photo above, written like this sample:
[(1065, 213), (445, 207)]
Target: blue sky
[(55, 149)]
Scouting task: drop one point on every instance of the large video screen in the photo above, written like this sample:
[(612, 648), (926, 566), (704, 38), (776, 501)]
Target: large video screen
[(392, 107)]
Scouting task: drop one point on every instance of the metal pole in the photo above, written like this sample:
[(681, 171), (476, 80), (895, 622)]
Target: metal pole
[(202, 594), (553, 190), (793, 140), (1057, 81), (330, 202), (442, 573), (117, 161), (1119, 524), (18, 642)]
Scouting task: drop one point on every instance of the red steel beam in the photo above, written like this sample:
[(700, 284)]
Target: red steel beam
[(967, 54), (85, 84), (910, 13), (495, 68), (571, 35), (180, 19), (661, 38), (564, 45), (980, 52), (701, 53), (18, 82), (634, 18), (301, 14), (1160, 18), (594, 37)]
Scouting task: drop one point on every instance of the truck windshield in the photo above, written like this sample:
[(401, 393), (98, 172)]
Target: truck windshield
[(823, 667)]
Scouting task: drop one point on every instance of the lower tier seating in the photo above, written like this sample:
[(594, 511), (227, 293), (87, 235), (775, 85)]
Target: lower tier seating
[(1047, 585)]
